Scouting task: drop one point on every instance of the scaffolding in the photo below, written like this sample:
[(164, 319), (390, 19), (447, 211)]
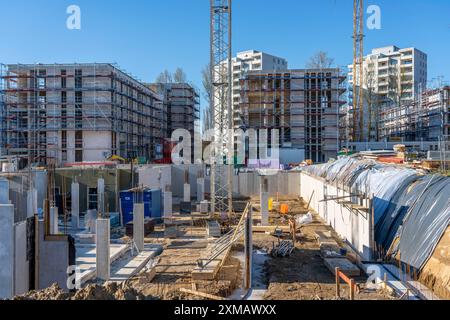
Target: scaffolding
[(426, 118), (304, 105), (221, 107), (43, 104)]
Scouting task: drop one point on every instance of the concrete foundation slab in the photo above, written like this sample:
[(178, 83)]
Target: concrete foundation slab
[(129, 266)]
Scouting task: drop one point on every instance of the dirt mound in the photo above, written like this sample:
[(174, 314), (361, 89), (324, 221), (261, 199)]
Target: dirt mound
[(52, 293), (109, 291)]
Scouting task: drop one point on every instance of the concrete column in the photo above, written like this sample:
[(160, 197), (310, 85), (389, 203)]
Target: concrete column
[(248, 241), (167, 204), (54, 228), (101, 196), (89, 220), (264, 196), (138, 226), (75, 192), (31, 203), (200, 189), (102, 241), (187, 192), (4, 191), (6, 251)]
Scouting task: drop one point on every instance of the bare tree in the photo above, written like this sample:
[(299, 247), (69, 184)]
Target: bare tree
[(320, 60), (207, 91), (179, 76), (164, 77), (207, 83), (370, 98)]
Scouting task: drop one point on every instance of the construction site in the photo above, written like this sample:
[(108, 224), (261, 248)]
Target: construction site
[(95, 203)]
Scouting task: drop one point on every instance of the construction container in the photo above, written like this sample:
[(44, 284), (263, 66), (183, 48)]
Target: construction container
[(151, 199)]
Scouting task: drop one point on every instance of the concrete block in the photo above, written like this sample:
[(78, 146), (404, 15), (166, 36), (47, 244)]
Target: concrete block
[(102, 241), (75, 192), (138, 226), (6, 251), (348, 268)]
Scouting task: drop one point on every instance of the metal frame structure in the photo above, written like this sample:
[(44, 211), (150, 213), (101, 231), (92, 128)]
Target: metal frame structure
[(221, 107), (358, 74), (35, 113)]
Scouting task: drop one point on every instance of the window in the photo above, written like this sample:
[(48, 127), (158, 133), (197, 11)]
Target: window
[(63, 97), (92, 198), (79, 156), (64, 139), (63, 79), (78, 97), (78, 79)]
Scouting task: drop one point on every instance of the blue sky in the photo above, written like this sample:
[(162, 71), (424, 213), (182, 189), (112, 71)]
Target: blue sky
[(147, 36)]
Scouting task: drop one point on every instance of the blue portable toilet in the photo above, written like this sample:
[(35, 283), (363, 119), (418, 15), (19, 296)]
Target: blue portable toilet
[(152, 204)]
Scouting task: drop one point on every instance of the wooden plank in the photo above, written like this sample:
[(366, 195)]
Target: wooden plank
[(202, 294)]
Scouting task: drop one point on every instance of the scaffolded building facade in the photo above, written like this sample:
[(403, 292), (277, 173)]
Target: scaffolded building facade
[(63, 113), (425, 119), (304, 105)]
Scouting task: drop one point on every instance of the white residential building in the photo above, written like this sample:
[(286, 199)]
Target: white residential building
[(393, 72), (391, 77)]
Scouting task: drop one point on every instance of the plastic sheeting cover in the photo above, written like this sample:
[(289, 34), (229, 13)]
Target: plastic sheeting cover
[(407, 205)]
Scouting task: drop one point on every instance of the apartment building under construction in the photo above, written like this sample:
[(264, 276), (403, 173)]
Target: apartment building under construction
[(304, 105), (65, 113), (427, 118)]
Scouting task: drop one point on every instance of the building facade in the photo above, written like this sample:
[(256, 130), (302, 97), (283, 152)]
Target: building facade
[(427, 118), (304, 105), (248, 61), (391, 77), (181, 105), (64, 113)]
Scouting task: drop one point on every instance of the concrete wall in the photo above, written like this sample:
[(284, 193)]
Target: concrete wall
[(54, 259), (283, 183), (6, 251), (96, 145), (351, 225), (21, 264), (149, 176)]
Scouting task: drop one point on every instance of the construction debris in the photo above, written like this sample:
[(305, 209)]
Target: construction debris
[(283, 249)]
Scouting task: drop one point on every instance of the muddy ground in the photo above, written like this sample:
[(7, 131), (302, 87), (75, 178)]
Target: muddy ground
[(303, 275)]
